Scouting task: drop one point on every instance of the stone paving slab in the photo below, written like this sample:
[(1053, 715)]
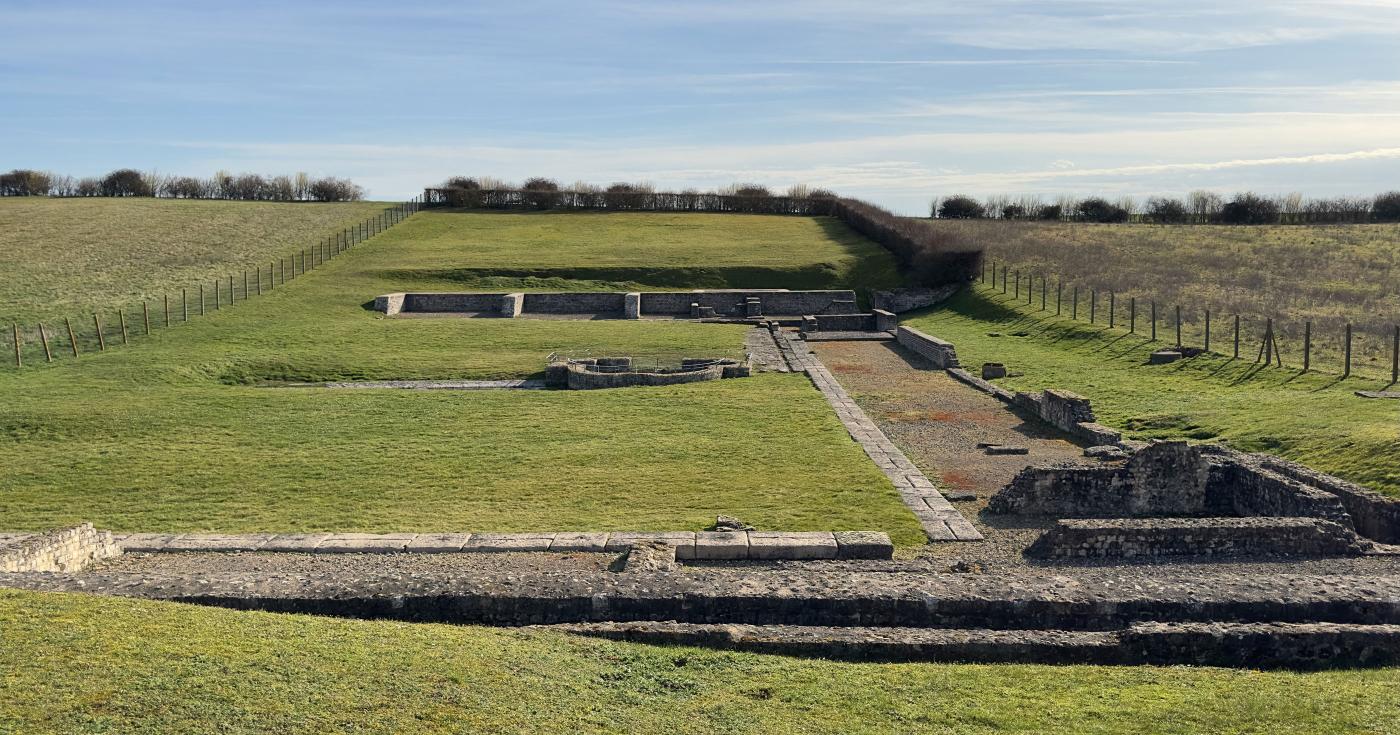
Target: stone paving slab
[(720, 545), (218, 542), (437, 543), (295, 542), (366, 543), (487, 542), (915, 489), (580, 541)]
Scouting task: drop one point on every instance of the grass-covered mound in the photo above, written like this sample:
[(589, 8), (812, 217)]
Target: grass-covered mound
[(75, 664), (1312, 418)]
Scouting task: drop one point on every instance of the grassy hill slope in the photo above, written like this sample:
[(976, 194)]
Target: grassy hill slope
[(63, 257)]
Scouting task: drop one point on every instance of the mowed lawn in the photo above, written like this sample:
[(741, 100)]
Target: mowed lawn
[(75, 664), (1313, 418), (180, 432), (658, 250), (68, 257)]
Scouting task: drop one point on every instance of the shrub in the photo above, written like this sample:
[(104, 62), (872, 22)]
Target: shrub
[(1386, 207), (1166, 211), (961, 207), (751, 190), (125, 182), (1249, 209), (25, 183), (331, 189), (540, 193), (821, 194), (1013, 211), (1095, 209), (933, 254), (461, 182), (1052, 212)]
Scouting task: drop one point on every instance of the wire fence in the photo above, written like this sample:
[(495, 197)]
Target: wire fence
[(44, 342), (1349, 348)]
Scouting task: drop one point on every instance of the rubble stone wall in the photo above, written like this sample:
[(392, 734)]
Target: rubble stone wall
[(1155, 537), (939, 352), (63, 550), (1164, 479)]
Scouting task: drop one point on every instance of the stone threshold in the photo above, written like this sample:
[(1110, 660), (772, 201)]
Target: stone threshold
[(939, 519), (689, 545)]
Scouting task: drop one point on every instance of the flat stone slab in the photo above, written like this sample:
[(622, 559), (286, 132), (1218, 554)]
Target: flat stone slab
[(295, 542), (145, 541), (591, 541), (1379, 393), (437, 543), (1004, 449), (863, 545), (218, 542), (366, 543), (488, 542)]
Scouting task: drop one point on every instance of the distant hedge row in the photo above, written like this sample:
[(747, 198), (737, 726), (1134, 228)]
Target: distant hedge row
[(931, 254), (1199, 207), (128, 182)]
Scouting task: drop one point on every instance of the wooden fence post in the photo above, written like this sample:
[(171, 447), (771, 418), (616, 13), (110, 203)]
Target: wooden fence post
[(1059, 296), (1395, 357), (1074, 309), (101, 341), (165, 299), (184, 305), (1093, 305), (1044, 287), (1178, 325), (1003, 278), (984, 268), (1018, 285), (1154, 321), (19, 358), (1307, 346), (1207, 347), (201, 299), (44, 337), (1348, 356), (232, 294), (218, 299), (146, 316), (257, 289), (1132, 315), (1112, 309), (121, 319), (1264, 350), (72, 338), (1237, 337), (245, 284)]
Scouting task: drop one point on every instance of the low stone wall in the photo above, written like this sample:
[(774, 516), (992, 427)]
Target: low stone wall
[(580, 302), (453, 302), (1068, 412), (1155, 537), (937, 351), (390, 304), (581, 377), (63, 550), (735, 302), (1164, 479), (839, 323), (1243, 485), (1374, 516)]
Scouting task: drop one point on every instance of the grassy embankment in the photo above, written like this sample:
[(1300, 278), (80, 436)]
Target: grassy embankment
[(76, 664), (176, 433), (1326, 274), (1312, 418), (67, 257)]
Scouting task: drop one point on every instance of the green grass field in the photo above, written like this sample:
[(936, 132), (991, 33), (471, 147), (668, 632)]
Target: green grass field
[(176, 431), (627, 249), (1312, 418), (67, 257), (87, 664), (1327, 274)]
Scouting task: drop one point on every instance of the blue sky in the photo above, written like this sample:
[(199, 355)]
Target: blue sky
[(893, 101)]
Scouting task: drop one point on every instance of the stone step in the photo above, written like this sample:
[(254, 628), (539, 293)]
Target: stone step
[(1255, 645)]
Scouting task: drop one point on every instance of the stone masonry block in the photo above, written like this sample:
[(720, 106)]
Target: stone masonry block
[(218, 542), (579, 541), (497, 542), (437, 543), (792, 545), (721, 545), (295, 542), (366, 543), (863, 545)]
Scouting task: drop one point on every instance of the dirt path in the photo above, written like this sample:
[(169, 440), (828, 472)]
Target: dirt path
[(938, 421)]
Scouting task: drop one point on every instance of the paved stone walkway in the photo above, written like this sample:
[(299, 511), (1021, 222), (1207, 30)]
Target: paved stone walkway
[(940, 520), (763, 351), (698, 545)]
